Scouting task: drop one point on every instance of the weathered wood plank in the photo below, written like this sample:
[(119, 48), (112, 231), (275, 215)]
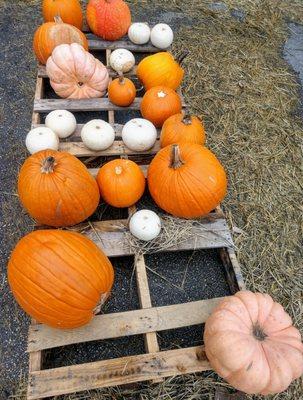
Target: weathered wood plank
[(143, 367), (96, 43), (136, 322), (36, 117)]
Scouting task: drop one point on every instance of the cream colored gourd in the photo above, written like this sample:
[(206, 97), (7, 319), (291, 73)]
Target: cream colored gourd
[(139, 134), (122, 60), (145, 225), (97, 135), (41, 139), (162, 36), (62, 122), (139, 33)]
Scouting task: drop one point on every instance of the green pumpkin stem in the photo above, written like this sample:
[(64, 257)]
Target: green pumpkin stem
[(48, 165), (175, 160)]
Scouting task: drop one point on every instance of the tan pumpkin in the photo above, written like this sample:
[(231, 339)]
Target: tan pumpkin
[(251, 343), (74, 73), (68, 10), (52, 34)]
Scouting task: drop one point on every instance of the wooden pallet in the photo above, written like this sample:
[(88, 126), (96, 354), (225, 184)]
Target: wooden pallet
[(154, 365)]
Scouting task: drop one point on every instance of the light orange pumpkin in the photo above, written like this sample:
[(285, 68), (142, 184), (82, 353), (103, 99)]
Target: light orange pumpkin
[(250, 342), (160, 69), (182, 128), (186, 180), (74, 73), (60, 278), (122, 92), (121, 183), (52, 34), (68, 10), (109, 19), (159, 103), (56, 189)]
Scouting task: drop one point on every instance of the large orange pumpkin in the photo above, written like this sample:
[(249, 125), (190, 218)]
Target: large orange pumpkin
[(69, 11), (250, 341), (52, 34), (159, 103), (186, 180), (121, 183), (109, 19), (59, 278), (122, 92), (56, 189), (160, 69), (180, 128)]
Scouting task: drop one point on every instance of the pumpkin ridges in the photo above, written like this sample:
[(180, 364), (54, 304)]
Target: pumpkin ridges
[(69, 10)]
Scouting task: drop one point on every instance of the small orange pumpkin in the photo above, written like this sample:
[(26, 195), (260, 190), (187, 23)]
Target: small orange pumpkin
[(182, 128), (122, 91), (250, 341), (56, 189), (186, 180), (69, 11), (121, 183), (160, 69), (159, 103), (60, 278), (109, 19), (52, 34)]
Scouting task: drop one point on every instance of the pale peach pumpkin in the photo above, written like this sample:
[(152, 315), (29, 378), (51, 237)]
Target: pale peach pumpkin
[(74, 73), (251, 343)]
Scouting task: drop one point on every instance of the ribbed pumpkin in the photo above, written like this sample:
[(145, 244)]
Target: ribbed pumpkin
[(182, 128), (160, 69), (121, 92), (250, 341), (52, 34), (109, 19), (56, 189), (69, 11), (60, 278), (121, 183), (186, 180), (159, 103)]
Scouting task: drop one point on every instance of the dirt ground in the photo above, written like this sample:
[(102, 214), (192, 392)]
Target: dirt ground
[(249, 97)]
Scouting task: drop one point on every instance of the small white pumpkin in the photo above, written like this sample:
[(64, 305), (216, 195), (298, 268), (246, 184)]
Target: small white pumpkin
[(62, 122), (139, 33), (145, 225), (139, 134), (41, 139), (162, 36), (122, 60), (97, 135)]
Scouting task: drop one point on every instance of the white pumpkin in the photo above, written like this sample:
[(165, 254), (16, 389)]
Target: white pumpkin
[(139, 33), (98, 135), (62, 122), (139, 134), (122, 60), (145, 225), (162, 36), (41, 139)]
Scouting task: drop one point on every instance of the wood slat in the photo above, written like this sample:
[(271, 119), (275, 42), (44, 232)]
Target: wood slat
[(114, 372), (128, 323), (96, 43)]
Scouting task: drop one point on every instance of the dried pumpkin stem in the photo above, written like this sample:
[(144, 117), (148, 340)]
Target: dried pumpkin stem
[(58, 19), (48, 165), (175, 160), (187, 118), (182, 56), (259, 333), (121, 77)]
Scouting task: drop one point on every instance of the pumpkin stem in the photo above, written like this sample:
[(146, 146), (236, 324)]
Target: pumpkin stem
[(58, 19), (121, 77), (175, 160), (118, 170), (258, 332), (187, 118), (182, 56), (48, 165)]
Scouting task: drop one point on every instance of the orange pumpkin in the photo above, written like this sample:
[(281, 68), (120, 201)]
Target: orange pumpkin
[(109, 19), (69, 11), (60, 278), (160, 69), (250, 341), (52, 34), (56, 189), (122, 92), (186, 180), (159, 103), (180, 128), (121, 182)]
